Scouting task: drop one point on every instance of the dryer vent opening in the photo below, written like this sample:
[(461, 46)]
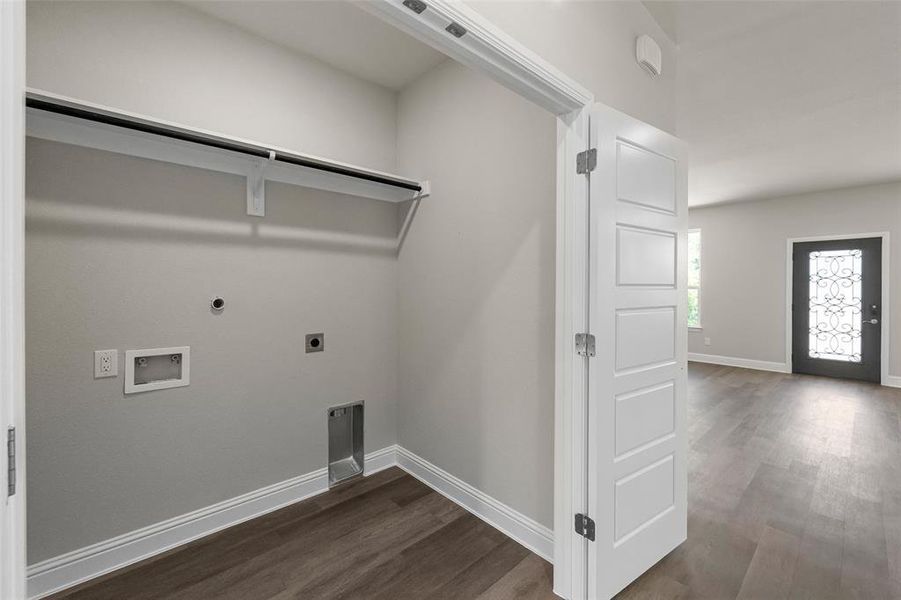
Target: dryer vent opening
[(345, 442)]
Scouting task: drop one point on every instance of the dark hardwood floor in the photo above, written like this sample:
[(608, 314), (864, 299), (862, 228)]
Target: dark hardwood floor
[(385, 537), (794, 492)]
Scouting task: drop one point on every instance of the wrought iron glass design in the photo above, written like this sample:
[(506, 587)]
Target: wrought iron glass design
[(835, 304)]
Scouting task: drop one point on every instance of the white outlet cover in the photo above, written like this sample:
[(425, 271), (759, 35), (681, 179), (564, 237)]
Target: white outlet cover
[(706, 341), (106, 363)]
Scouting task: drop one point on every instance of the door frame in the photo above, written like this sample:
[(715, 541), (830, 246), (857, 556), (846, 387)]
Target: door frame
[(487, 49), (12, 290), (571, 372), (885, 319)]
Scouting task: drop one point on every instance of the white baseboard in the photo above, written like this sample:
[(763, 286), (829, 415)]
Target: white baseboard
[(892, 381), (744, 363), (531, 534), (762, 365), (72, 568), (380, 460), (78, 566)]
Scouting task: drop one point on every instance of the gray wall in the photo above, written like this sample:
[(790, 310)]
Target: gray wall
[(743, 264), (126, 253), (169, 61), (476, 290)]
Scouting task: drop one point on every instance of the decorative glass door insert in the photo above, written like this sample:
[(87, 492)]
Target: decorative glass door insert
[(836, 323), (835, 309)]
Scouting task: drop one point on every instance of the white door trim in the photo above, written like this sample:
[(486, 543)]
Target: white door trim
[(885, 378), (571, 371), (12, 290)]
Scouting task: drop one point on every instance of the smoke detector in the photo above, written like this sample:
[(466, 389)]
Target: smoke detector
[(648, 55)]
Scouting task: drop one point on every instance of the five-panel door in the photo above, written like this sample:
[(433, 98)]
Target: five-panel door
[(637, 442)]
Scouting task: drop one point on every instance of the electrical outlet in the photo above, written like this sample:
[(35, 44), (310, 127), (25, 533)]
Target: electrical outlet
[(706, 341), (106, 363)]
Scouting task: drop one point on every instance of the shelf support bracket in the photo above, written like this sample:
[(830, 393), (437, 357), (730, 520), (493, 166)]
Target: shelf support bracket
[(256, 187)]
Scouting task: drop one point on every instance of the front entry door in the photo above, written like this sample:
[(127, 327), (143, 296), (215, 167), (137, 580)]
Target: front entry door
[(836, 308), (637, 467)]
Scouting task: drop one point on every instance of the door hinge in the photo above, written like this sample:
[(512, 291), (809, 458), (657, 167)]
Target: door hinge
[(11, 458), (586, 161), (584, 344), (585, 527)]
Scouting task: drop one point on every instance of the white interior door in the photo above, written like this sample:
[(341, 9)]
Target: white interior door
[(12, 287), (637, 446)]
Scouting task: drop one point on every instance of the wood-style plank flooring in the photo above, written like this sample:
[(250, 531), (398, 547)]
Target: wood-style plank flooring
[(794, 492), (384, 537)]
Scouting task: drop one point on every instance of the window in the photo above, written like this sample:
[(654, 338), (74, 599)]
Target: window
[(694, 278)]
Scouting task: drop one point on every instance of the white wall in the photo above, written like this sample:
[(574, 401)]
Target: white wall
[(743, 264), (594, 42), (168, 61)]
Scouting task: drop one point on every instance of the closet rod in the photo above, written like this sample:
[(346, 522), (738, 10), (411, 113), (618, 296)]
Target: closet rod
[(214, 142)]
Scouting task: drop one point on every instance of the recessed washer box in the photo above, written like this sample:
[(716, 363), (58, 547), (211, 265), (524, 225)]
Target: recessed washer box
[(157, 369)]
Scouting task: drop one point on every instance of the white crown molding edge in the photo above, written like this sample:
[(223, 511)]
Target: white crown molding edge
[(486, 48)]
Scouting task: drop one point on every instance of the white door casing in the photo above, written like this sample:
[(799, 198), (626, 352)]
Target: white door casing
[(637, 446), (570, 491), (12, 294)]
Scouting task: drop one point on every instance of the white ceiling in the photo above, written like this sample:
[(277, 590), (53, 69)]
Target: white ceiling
[(337, 33), (778, 98)]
